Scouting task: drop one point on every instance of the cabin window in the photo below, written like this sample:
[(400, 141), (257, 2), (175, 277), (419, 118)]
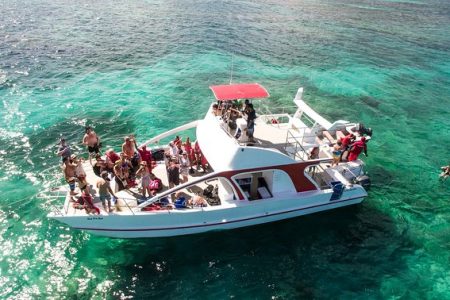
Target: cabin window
[(254, 185)]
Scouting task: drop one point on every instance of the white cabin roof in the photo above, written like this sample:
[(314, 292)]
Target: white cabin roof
[(223, 152)]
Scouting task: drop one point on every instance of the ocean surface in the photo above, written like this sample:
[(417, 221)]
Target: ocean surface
[(143, 67)]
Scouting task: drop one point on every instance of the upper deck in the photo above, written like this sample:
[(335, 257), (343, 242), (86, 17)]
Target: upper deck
[(279, 137)]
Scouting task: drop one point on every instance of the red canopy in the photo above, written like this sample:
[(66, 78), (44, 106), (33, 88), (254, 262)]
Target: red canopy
[(228, 92)]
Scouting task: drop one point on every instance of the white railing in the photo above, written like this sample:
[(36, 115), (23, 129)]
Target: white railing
[(171, 132)]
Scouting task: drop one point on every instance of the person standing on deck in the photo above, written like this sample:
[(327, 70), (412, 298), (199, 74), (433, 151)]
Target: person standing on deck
[(92, 141), (70, 175), (104, 190), (63, 150), (251, 116), (129, 149)]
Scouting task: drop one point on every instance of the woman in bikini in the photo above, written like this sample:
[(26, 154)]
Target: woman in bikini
[(144, 173)]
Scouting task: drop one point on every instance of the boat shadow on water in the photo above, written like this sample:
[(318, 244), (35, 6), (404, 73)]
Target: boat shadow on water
[(304, 253)]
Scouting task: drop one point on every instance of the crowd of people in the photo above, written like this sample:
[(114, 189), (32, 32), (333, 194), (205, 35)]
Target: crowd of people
[(231, 111), (347, 148), (132, 165)]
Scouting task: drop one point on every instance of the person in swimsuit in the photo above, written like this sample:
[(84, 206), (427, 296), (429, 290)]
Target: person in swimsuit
[(70, 175), (105, 192), (337, 151), (129, 149), (197, 154), (92, 141), (100, 165), (184, 166), (121, 172), (144, 173)]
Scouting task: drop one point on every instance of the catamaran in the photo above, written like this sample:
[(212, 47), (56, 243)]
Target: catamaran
[(267, 178)]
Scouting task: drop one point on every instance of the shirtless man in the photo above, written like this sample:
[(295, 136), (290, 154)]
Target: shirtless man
[(104, 190), (130, 150), (70, 175), (128, 147), (92, 141)]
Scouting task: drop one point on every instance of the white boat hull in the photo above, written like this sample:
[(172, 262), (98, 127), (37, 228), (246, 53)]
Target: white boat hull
[(185, 222)]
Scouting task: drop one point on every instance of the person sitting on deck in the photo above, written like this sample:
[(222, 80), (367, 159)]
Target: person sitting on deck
[(199, 201), (180, 200), (314, 154), (104, 190), (337, 151), (357, 148), (155, 185), (88, 203)]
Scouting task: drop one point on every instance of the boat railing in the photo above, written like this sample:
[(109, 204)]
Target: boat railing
[(50, 197), (295, 143), (171, 132), (275, 115)]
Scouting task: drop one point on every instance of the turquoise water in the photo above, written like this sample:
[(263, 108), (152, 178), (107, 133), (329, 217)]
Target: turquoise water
[(145, 66)]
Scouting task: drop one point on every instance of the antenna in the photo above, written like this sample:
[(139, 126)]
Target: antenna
[(231, 70)]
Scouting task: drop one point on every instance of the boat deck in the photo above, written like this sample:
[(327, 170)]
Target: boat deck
[(127, 199), (288, 139)]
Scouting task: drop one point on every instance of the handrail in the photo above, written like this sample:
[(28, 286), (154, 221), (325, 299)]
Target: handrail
[(295, 143), (165, 134)]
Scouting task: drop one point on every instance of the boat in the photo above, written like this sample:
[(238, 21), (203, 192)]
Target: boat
[(268, 178)]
